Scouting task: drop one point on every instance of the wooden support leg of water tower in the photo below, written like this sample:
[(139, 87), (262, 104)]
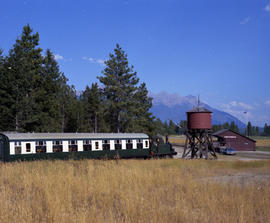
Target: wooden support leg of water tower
[(185, 147), (206, 145), (186, 151), (211, 146), (192, 146), (200, 145)]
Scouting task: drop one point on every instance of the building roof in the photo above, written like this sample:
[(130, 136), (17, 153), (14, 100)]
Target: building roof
[(218, 134), (199, 109), (36, 136)]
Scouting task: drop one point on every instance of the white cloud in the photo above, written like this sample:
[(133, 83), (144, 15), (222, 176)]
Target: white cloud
[(58, 57), (93, 60), (90, 59), (267, 8), (243, 105), (101, 62), (239, 110), (237, 105), (245, 21), (267, 102)]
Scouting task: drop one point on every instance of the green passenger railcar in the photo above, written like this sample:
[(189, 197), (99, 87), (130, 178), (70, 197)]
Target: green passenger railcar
[(34, 146)]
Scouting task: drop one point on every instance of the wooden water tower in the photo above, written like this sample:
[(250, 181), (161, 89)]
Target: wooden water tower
[(199, 143)]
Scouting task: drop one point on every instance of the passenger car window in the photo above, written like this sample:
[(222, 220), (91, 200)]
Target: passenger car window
[(146, 143), (28, 147), (18, 149)]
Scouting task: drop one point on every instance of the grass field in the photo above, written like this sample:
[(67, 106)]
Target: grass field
[(263, 142), (264, 149), (178, 139), (165, 190)]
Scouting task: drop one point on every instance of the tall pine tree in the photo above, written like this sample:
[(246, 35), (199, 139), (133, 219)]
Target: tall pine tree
[(93, 109), (49, 94), (142, 118), (6, 99), (121, 93), (24, 65), (249, 129)]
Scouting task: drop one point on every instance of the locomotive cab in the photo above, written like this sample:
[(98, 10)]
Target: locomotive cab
[(161, 148)]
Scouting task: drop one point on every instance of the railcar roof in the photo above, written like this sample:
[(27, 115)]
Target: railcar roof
[(36, 136)]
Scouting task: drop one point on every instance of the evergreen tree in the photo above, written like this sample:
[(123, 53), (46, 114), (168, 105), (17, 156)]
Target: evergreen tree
[(6, 100), (122, 94), (183, 124), (234, 127), (93, 109), (34, 94), (166, 127), (183, 127), (48, 94), (249, 129), (70, 107), (171, 129), (24, 65), (141, 119), (216, 128), (226, 125), (159, 127), (266, 130), (73, 112), (257, 130), (253, 131)]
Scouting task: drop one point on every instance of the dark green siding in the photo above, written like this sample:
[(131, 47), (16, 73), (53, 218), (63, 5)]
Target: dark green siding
[(4, 143), (110, 154)]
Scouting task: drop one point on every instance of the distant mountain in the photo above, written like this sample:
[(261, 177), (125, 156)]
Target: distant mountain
[(173, 106)]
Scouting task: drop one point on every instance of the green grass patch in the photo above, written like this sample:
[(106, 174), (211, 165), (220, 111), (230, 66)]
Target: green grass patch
[(264, 149)]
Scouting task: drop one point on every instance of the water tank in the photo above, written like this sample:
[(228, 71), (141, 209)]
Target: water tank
[(199, 118)]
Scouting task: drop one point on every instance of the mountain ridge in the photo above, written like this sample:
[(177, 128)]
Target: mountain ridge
[(173, 106)]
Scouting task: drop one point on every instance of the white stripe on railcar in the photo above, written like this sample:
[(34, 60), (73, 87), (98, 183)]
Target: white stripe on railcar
[(80, 145), (112, 147), (49, 146), (65, 146)]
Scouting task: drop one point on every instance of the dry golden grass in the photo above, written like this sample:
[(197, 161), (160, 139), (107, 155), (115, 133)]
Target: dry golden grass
[(132, 191), (261, 142), (177, 140)]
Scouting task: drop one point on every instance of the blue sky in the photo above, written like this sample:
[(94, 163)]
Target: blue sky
[(217, 49)]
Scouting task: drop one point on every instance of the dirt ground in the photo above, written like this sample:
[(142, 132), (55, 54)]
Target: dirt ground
[(243, 155), (243, 178)]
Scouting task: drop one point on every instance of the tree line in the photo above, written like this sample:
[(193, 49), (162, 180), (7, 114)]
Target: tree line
[(266, 130), (36, 97), (172, 128), (252, 130), (232, 126)]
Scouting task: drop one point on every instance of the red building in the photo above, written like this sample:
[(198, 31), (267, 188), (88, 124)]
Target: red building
[(229, 138)]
